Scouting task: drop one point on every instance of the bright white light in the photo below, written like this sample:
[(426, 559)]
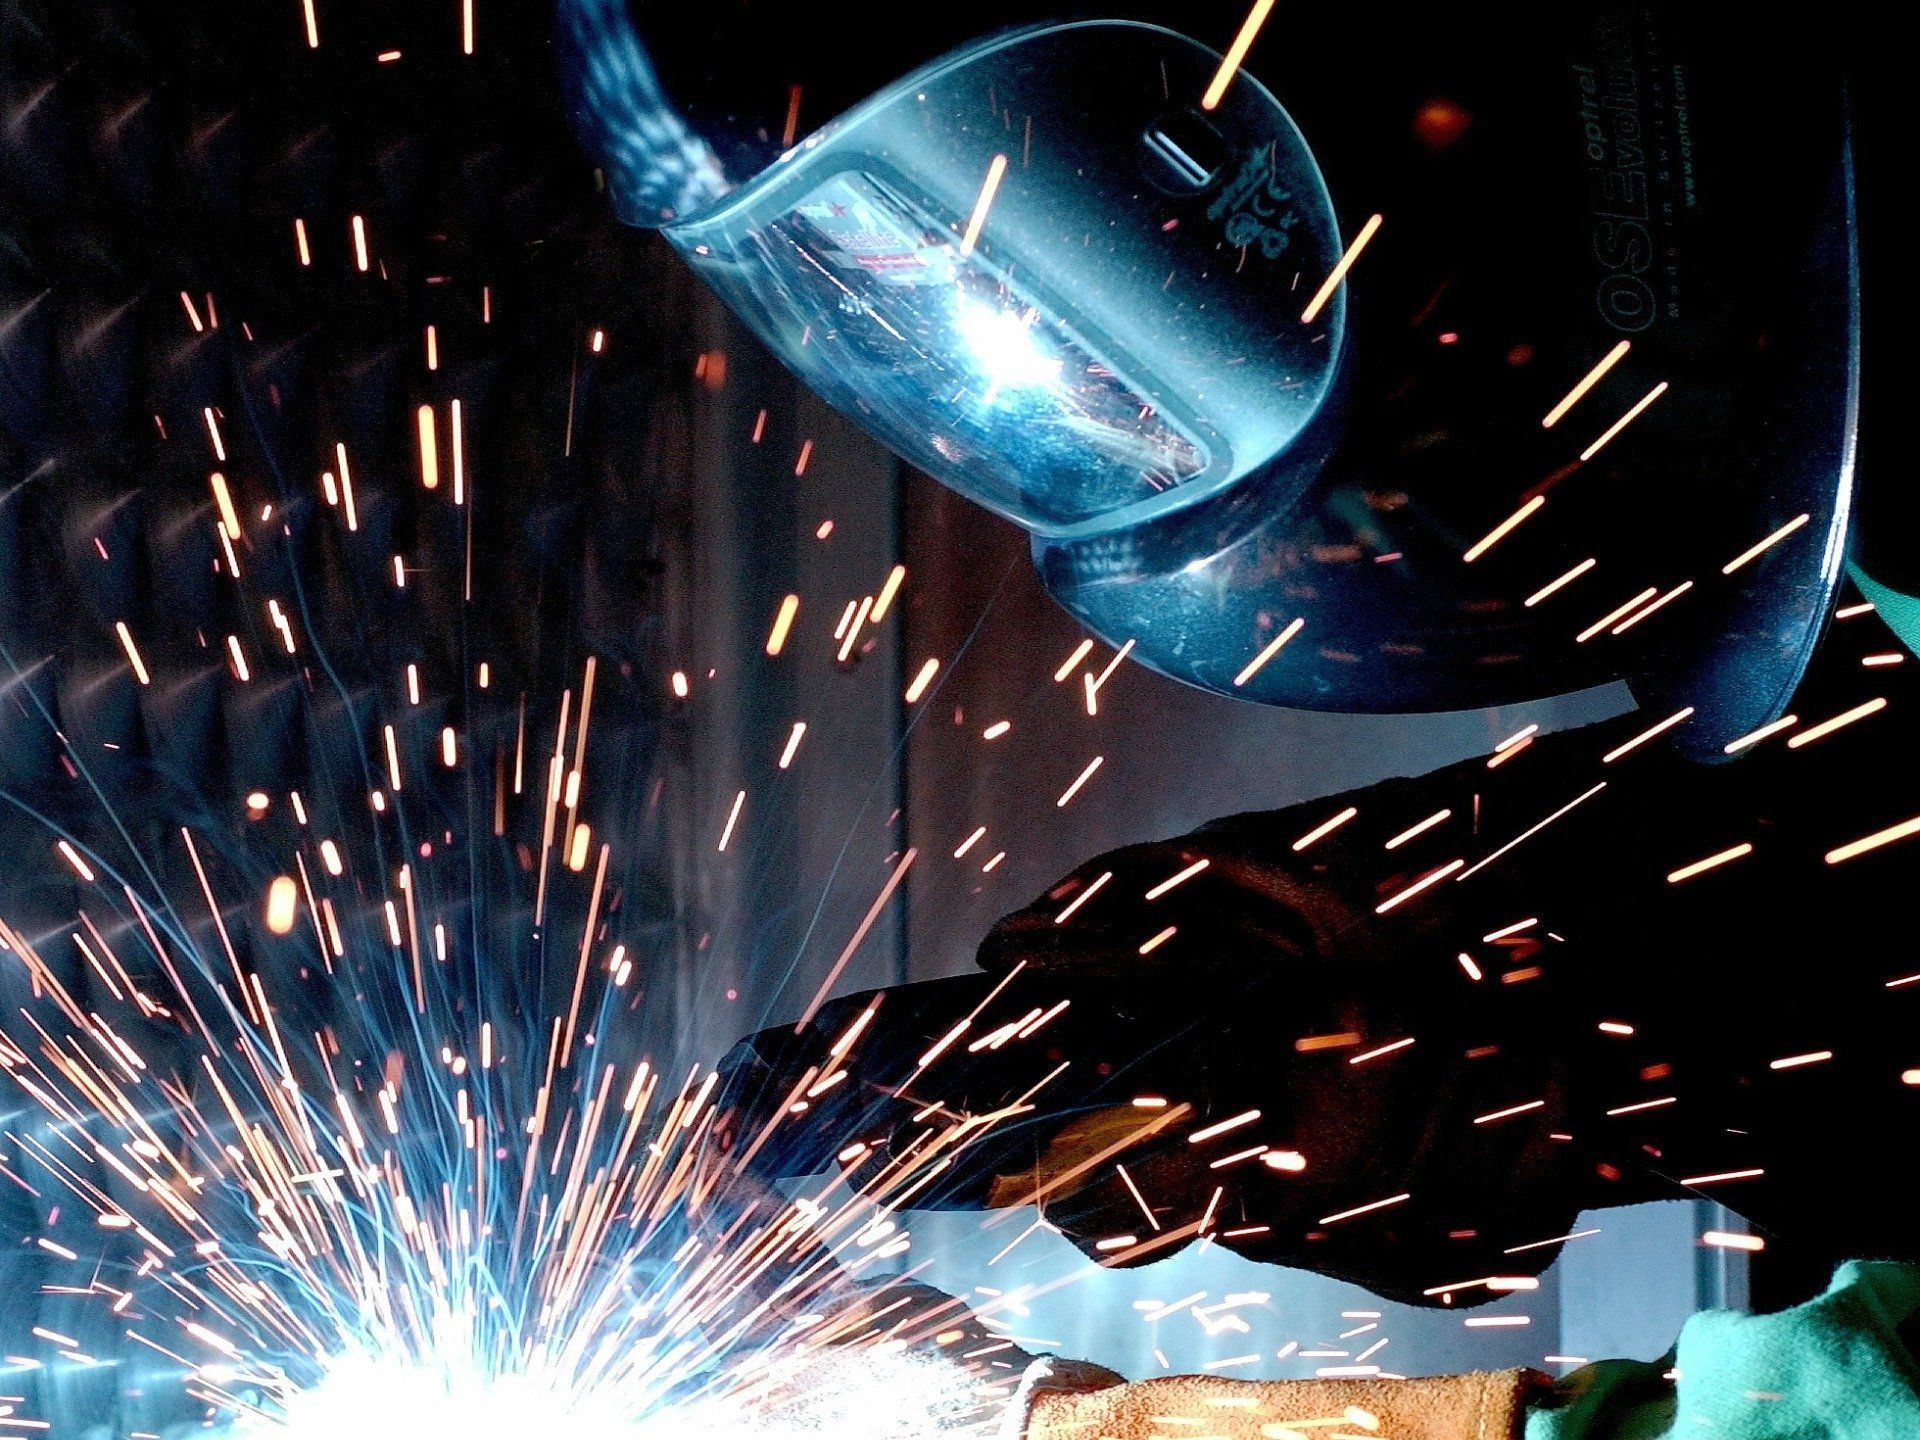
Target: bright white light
[(803, 1395), (369, 1398), (1003, 342)]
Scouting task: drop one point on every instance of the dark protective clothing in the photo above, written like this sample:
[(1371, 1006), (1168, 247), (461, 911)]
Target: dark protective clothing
[(1562, 1018)]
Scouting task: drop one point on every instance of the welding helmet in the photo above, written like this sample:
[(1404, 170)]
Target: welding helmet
[(1578, 405)]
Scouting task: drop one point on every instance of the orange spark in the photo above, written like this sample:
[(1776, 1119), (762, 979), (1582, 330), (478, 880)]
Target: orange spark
[(1625, 420), (1325, 828), (1068, 665), (884, 600), (133, 653), (1552, 585), (995, 171), (1505, 528), (1612, 358), (921, 681), (429, 448), (1222, 1127), (782, 624), (1074, 789), (1439, 817), (1332, 282), (1874, 841), (1754, 737), (733, 818), (1367, 1209), (793, 743), (1431, 878), (1082, 898), (1794, 1062), (1711, 862), (1616, 613), (73, 858), (1627, 747), (1639, 615), (1846, 717), (1236, 53), (1761, 548), (1179, 878), (1272, 649), (281, 897), (1391, 1047)]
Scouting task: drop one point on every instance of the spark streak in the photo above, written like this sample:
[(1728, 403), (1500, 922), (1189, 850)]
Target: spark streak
[(133, 652), (733, 818), (1272, 648), (1339, 273), (1625, 420), (1505, 528), (1236, 53), (1079, 780), (1711, 862), (782, 624), (1325, 828), (1553, 586), (1838, 722), (995, 171), (1606, 362), (1367, 1209), (1178, 878), (1425, 882), (1761, 547), (1853, 848)]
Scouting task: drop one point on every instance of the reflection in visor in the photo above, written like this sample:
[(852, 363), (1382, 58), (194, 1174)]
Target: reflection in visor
[(1111, 353), (1028, 409)]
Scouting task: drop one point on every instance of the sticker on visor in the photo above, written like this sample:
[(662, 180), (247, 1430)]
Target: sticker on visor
[(858, 231), (1026, 408)]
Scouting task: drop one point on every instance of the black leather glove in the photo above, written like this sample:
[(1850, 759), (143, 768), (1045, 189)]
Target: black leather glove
[(1410, 1067)]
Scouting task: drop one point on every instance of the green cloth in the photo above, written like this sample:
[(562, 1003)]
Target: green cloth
[(1900, 611), (1835, 1368)]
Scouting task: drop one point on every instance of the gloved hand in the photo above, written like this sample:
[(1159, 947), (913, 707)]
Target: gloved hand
[(1279, 1059), (1270, 1034)]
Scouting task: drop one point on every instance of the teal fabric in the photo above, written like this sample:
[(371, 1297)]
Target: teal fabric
[(1835, 1368), (1900, 610)]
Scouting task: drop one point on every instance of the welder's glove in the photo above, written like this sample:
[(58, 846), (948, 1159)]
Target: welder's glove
[(1218, 1035), (1407, 1065)]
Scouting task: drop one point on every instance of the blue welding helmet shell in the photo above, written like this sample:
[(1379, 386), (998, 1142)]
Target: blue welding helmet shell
[(1069, 270)]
